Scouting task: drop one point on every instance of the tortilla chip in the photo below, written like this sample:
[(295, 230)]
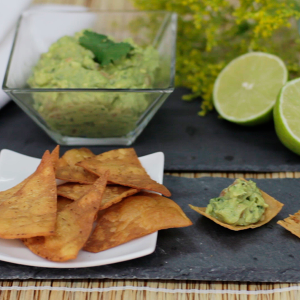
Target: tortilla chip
[(270, 212), (125, 169), (112, 194), (73, 227), (62, 202), (67, 170), (134, 217), (4, 195), (73, 191), (55, 155), (30, 208), (116, 193), (292, 223)]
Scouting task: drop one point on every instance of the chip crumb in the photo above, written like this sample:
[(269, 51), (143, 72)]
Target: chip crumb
[(292, 223)]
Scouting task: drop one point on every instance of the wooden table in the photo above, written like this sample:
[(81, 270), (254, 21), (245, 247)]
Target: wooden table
[(148, 289)]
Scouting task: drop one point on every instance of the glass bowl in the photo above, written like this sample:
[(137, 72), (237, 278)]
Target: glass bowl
[(91, 116)]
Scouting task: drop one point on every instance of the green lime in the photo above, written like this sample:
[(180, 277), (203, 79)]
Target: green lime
[(287, 115), (245, 91)]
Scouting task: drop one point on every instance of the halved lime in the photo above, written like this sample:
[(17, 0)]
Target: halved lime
[(287, 115), (245, 91)]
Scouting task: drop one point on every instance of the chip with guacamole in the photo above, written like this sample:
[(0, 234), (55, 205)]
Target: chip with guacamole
[(69, 64), (241, 206)]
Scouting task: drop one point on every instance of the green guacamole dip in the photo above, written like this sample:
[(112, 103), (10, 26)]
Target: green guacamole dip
[(67, 64), (240, 204)]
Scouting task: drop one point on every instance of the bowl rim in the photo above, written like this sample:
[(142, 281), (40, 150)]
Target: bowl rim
[(171, 16)]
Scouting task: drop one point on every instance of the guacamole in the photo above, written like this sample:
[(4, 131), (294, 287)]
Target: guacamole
[(240, 204), (92, 114)]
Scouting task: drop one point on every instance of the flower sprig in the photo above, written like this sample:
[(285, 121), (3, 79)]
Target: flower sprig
[(213, 32)]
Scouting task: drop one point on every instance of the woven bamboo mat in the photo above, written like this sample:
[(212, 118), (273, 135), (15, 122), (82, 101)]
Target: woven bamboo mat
[(148, 289)]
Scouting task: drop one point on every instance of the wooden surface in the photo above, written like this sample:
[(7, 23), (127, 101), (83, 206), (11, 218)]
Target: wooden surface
[(147, 289)]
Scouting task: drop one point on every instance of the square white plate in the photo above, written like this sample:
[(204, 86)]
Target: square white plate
[(15, 167)]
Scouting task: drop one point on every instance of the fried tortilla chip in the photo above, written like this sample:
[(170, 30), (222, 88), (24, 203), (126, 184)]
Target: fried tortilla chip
[(10, 192), (55, 155), (4, 195), (73, 191), (62, 202), (73, 227), (30, 208), (67, 170), (270, 212), (116, 193), (112, 194), (134, 217), (292, 223), (124, 169)]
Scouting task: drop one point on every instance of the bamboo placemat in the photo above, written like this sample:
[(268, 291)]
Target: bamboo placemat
[(148, 289)]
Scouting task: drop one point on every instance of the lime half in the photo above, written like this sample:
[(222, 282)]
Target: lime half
[(287, 115), (245, 91)]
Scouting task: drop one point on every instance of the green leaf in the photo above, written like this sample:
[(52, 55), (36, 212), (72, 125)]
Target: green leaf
[(105, 50)]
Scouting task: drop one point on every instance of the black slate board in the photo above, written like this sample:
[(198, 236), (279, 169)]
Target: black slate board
[(205, 250), (190, 143)]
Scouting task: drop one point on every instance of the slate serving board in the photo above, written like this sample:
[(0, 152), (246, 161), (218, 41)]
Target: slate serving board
[(190, 142), (205, 250)]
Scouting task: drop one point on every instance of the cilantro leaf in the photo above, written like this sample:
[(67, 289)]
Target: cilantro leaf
[(113, 52), (105, 50)]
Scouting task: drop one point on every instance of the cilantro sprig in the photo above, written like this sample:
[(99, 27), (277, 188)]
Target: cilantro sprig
[(105, 50)]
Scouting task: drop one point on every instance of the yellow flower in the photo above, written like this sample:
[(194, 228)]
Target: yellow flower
[(216, 31)]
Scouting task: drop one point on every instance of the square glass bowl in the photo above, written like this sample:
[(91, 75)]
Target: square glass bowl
[(91, 116)]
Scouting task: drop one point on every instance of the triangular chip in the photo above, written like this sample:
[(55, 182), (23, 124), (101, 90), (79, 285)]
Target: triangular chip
[(134, 217), (31, 210), (62, 202), (124, 169), (112, 194), (4, 195), (10, 192), (292, 223), (67, 170), (73, 227), (115, 193), (55, 155), (270, 212)]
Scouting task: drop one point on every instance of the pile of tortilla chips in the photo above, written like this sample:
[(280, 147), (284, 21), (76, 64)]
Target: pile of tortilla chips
[(56, 222)]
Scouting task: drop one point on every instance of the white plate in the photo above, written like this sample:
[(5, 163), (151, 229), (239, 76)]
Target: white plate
[(15, 167)]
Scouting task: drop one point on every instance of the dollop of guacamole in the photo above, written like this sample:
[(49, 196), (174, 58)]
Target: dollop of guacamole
[(67, 64), (240, 204)]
